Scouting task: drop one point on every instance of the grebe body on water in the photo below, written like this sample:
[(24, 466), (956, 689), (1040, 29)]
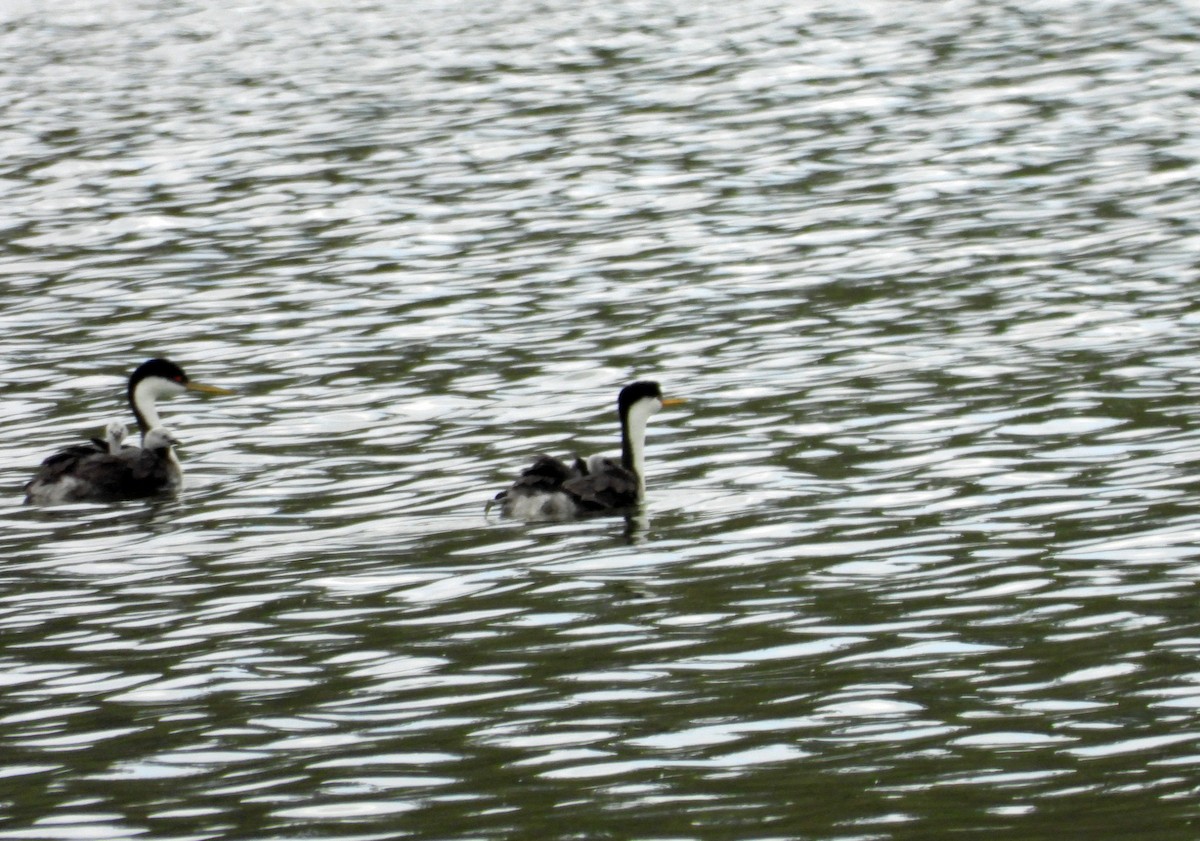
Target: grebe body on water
[(552, 489), (107, 470)]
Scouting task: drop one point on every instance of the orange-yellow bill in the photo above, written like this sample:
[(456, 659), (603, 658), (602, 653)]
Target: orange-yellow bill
[(207, 389)]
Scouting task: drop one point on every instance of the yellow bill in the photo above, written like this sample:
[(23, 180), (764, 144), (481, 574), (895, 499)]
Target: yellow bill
[(207, 389)]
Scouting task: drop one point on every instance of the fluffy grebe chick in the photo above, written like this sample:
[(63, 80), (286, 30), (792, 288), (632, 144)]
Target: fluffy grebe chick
[(115, 434)]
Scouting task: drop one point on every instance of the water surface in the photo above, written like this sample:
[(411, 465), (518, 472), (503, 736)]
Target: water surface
[(919, 553)]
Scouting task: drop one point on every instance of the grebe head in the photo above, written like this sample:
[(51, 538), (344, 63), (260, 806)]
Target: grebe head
[(159, 438), (158, 378)]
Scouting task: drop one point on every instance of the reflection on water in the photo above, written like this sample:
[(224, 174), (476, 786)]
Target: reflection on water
[(918, 553)]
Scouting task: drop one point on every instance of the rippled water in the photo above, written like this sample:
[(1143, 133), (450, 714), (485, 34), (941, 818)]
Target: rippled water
[(919, 554)]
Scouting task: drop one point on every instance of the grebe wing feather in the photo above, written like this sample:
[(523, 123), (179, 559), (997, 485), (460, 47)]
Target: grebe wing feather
[(606, 489)]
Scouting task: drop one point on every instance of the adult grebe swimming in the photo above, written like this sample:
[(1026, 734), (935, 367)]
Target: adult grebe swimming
[(553, 490), (107, 471)]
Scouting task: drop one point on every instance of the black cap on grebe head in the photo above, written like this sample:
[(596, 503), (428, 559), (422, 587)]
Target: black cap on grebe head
[(640, 390), (164, 369)]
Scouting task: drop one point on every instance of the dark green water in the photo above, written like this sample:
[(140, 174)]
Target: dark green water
[(919, 555)]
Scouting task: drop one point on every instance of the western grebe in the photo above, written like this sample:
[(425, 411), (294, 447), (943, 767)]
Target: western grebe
[(106, 471), (553, 490)]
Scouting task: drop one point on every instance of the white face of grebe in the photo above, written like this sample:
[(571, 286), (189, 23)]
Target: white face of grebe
[(643, 409)]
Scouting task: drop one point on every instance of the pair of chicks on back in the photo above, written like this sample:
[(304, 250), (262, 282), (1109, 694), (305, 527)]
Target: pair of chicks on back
[(109, 470)]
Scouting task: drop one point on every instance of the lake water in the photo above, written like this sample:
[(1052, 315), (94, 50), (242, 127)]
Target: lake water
[(919, 555)]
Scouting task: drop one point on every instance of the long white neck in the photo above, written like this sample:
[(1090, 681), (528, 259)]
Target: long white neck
[(633, 441), (144, 399)]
